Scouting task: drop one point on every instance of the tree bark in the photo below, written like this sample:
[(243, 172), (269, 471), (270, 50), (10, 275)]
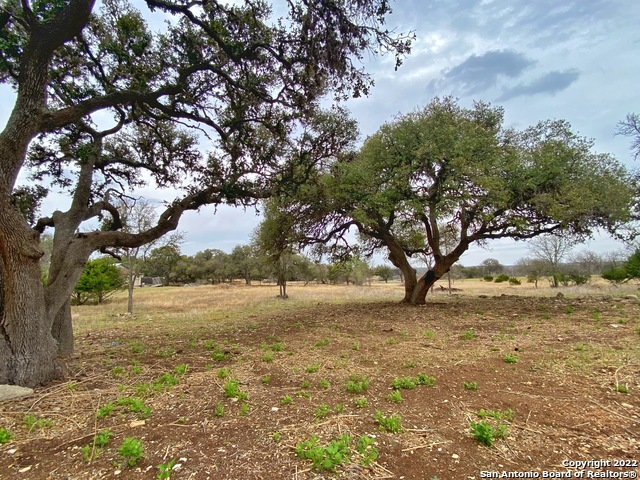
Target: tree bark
[(399, 259), (26, 344), (62, 330)]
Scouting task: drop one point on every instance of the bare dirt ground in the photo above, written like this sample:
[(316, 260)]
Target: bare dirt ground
[(552, 371)]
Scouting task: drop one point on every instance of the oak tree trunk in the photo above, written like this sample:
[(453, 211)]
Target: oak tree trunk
[(62, 330), (27, 347)]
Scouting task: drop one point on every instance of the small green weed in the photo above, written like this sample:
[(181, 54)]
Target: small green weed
[(135, 405), (33, 422), (487, 433), (425, 380), (510, 358), (223, 373), (87, 452), (322, 343), (286, 400), (181, 369), (392, 424), (323, 383), (105, 410), (165, 469), (218, 356), (507, 414), (219, 410), (429, 334), (305, 384), (167, 352), (622, 388), (313, 368), (409, 364), (266, 379), (274, 347), (118, 371), (99, 442), (145, 389), (267, 357), (568, 310), (102, 439), (277, 436), (325, 458), (131, 450), (137, 347), (469, 334), (365, 447), (231, 387), (395, 397), (355, 346), (244, 409), (357, 384), (322, 411), (5, 435), (407, 383), (361, 402), (470, 385), (164, 381)]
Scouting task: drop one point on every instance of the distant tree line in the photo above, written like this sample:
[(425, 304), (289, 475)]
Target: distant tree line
[(551, 259), (250, 264)]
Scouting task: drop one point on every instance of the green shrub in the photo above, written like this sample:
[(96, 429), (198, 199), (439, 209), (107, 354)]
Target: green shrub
[(488, 278), (615, 274), (99, 280), (503, 277), (515, 281)]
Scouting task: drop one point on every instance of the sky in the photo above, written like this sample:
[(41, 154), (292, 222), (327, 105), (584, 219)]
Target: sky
[(575, 60)]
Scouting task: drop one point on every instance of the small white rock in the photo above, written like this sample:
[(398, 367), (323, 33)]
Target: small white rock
[(455, 455)]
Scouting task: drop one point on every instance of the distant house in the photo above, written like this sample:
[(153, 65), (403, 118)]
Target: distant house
[(141, 281), (151, 281)]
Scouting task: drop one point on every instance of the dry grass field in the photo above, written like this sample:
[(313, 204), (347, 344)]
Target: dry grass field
[(230, 382)]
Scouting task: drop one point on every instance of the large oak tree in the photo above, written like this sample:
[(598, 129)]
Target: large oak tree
[(104, 103), (454, 172)]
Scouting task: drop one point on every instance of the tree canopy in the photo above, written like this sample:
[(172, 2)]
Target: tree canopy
[(105, 103), (460, 169)]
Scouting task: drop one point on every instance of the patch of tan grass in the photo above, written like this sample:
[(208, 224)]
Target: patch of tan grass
[(173, 306)]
